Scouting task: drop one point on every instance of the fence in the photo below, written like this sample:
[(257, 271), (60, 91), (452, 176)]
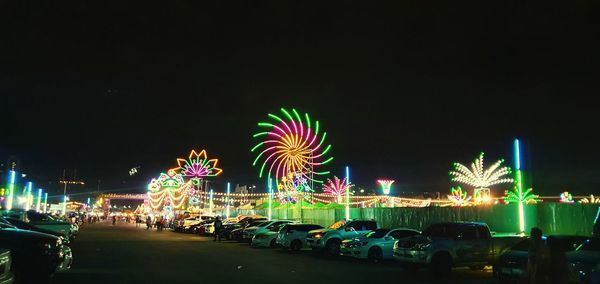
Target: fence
[(552, 218)]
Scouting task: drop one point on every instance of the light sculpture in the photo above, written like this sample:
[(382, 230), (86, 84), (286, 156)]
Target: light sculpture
[(479, 177), (592, 199), (386, 185), (458, 197), (566, 197), (337, 187), (291, 145)]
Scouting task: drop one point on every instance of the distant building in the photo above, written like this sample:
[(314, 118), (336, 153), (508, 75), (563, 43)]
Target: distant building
[(241, 189)]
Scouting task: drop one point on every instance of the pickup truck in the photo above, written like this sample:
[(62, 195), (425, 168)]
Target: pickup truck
[(47, 222), (443, 246), (330, 238)]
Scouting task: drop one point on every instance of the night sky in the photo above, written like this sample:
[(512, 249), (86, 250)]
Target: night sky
[(403, 90)]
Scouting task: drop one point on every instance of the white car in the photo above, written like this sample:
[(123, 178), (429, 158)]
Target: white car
[(268, 238), (376, 245), (263, 228), (293, 236)]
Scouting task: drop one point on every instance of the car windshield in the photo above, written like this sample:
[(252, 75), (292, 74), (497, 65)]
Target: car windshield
[(264, 224), (254, 224), (379, 233), (337, 225), (590, 245)]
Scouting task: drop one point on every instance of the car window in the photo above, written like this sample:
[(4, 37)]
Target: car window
[(484, 232), (369, 225), (354, 225), (468, 232), (399, 234)]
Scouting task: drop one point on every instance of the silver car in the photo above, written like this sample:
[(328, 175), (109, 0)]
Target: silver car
[(376, 245), (293, 236)]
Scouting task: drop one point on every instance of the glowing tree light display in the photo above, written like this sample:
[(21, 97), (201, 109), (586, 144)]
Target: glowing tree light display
[(592, 199), (291, 145), (480, 177), (337, 188), (386, 185), (458, 197), (566, 197)]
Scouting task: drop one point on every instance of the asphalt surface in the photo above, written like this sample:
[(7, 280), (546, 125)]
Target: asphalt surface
[(126, 254)]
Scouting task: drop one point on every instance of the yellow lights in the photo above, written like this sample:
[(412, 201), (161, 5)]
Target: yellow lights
[(478, 176)]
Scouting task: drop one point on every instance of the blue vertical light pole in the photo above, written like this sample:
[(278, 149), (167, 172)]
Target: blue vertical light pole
[(227, 199), (11, 190), (348, 193), (65, 198), (38, 200), (517, 147), (88, 201), (45, 202), (270, 212), (28, 196)]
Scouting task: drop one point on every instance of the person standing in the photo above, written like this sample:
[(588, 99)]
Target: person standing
[(114, 220), (538, 258), (148, 222), (218, 226)]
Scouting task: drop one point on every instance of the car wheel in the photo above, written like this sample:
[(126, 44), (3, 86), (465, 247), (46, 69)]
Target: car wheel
[(333, 247), (296, 245), (272, 244), (441, 263), (375, 254)]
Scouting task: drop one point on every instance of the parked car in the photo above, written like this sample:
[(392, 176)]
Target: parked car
[(32, 251), (330, 238), (376, 245), (238, 234), (512, 264), (27, 226), (585, 261), (6, 275), (293, 236), (227, 228), (48, 222), (268, 238), (190, 223), (443, 246), (264, 227)]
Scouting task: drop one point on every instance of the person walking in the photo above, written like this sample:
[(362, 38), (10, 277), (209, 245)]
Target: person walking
[(218, 226), (538, 258), (148, 222), (114, 220)]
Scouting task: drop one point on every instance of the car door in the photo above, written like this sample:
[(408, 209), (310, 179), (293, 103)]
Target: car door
[(469, 247)]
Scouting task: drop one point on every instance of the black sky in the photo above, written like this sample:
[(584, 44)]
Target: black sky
[(402, 89)]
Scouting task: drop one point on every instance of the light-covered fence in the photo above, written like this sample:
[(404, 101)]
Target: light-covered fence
[(552, 218)]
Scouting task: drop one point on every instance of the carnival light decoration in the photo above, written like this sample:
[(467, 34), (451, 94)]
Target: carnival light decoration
[(386, 185), (291, 145), (479, 177), (11, 189), (197, 165), (592, 199), (337, 187), (526, 197), (458, 197), (566, 197), (293, 187), (169, 191)]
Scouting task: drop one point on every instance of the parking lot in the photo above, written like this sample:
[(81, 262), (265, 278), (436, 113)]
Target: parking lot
[(127, 254)]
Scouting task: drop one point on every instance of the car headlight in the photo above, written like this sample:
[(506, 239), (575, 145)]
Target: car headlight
[(318, 236)]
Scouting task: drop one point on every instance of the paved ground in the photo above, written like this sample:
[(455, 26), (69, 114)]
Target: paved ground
[(125, 254)]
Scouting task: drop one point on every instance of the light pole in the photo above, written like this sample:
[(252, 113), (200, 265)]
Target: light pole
[(348, 193), (11, 189), (227, 199), (39, 200), (270, 212)]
